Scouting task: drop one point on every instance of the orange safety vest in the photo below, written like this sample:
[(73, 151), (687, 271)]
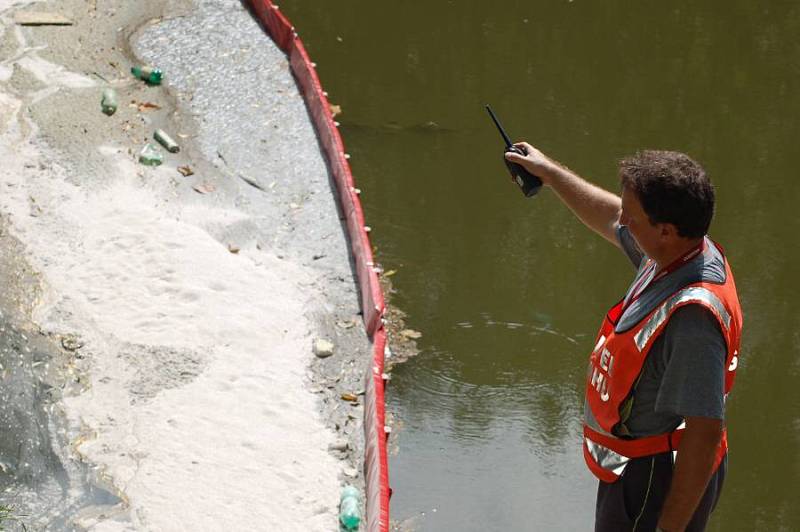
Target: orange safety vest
[(617, 360)]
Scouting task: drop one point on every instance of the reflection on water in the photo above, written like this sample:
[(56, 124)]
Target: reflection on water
[(509, 292)]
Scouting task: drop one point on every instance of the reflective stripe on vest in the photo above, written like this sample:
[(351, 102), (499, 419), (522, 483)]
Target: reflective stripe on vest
[(614, 462), (606, 458), (692, 294)]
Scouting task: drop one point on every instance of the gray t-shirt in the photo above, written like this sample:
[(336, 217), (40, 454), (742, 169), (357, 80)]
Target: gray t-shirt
[(684, 373)]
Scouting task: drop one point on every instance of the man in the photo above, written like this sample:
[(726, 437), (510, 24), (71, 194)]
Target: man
[(666, 355)]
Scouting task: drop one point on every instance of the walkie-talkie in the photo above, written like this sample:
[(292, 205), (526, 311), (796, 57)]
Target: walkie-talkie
[(529, 183)]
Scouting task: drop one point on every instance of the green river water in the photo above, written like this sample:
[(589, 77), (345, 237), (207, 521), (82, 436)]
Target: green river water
[(508, 292)]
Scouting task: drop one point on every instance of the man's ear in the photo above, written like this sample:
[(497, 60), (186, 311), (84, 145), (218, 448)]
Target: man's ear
[(668, 231)]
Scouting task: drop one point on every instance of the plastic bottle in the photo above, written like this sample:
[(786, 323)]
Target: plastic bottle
[(109, 102), (150, 156), (165, 140), (147, 73), (350, 508)]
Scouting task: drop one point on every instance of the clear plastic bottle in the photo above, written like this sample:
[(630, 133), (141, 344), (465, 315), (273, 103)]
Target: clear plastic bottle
[(149, 74), (109, 102), (150, 156), (350, 508)]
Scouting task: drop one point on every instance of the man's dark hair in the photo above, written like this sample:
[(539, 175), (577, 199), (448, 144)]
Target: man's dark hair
[(672, 188)]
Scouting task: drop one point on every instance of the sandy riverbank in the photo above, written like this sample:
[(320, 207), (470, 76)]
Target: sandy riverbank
[(201, 405)]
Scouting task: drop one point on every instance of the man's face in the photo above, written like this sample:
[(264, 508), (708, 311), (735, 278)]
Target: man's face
[(648, 236)]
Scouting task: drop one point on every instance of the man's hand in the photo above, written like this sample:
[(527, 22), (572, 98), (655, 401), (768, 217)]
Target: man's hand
[(598, 209), (534, 162), (693, 469)]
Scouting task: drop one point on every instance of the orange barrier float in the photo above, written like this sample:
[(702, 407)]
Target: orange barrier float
[(376, 468)]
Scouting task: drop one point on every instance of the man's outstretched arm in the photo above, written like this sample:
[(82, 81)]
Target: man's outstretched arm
[(598, 209)]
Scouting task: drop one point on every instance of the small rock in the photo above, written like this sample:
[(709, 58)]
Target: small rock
[(351, 472), (349, 397), (339, 445), (346, 324), (323, 348), (234, 249)]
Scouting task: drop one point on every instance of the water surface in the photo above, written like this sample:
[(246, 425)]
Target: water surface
[(507, 291)]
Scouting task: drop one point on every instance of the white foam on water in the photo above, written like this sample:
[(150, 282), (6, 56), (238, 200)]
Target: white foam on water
[(53, 74), (8, 4), (197, 402)]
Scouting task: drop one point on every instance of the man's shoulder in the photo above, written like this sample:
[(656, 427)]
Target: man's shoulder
[(694, 319)]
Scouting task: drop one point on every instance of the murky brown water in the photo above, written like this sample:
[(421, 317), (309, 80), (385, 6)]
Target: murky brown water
[(508, 292)]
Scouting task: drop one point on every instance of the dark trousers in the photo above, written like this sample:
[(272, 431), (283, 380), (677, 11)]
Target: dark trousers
[(634, 501)]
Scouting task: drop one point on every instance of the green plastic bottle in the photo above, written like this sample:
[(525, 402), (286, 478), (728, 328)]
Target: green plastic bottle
[(149, 74), (350, 508), (165, 140)]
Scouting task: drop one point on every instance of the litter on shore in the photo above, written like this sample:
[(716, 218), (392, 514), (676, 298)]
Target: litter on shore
[(204, 188), (150, 156), (165, 140), (40, 18), (109, 102)]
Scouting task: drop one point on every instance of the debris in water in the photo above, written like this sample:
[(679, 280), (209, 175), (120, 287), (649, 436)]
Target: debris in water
[(252, 182), (411, 334), (323, 348), (150, 156), (389, 273), (148, 74), (185, 171), (350, 508), (71, 342), (165, 140), (346, 324), (109, 102), (204, 188), (335, 110), (40, 18), (145, 106)]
